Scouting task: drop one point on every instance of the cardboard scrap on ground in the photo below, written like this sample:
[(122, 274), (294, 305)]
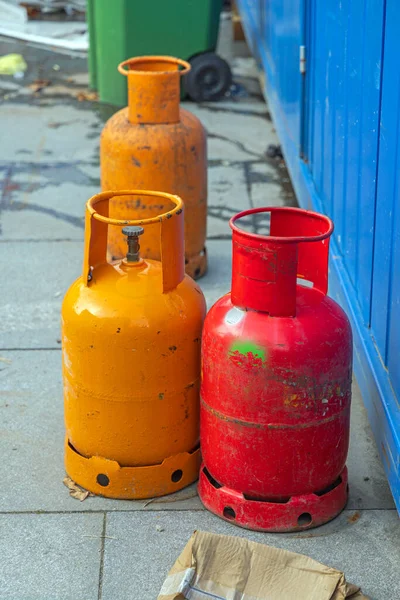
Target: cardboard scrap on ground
[(230, 568)]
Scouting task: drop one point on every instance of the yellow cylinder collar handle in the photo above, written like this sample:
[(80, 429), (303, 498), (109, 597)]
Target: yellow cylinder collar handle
[(171, 224)]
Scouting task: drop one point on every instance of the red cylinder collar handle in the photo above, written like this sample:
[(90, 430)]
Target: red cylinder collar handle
[(266, 267)]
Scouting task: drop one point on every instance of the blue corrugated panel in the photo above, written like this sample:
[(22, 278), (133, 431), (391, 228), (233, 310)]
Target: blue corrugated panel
[(282, 34), (385, 318), (343, 95), (339, 126)]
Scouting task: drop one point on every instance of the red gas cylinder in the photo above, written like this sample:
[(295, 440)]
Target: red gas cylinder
[(276, 381)]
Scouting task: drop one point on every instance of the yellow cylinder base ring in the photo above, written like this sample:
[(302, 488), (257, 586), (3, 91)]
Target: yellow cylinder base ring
[(107, 478)]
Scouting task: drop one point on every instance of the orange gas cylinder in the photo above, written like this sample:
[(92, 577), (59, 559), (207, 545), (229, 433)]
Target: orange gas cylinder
[(153, 143), (131, 332)]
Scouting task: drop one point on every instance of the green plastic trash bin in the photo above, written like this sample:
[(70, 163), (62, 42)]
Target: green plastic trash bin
[(186, 29)]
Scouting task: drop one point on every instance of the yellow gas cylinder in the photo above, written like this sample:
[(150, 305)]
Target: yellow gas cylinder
[(155, 143), (131, 332)]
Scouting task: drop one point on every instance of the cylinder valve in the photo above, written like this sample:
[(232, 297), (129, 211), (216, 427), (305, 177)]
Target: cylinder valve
[(132, 234)]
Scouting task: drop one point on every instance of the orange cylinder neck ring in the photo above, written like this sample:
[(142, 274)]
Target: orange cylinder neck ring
[(153, 88)]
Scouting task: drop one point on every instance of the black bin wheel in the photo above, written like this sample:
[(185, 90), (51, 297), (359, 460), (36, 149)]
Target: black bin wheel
[(208, 79)]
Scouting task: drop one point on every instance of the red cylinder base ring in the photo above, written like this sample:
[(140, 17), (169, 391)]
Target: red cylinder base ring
[(296, 514)]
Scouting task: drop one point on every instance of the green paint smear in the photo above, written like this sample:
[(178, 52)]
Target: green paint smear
[(246, 347)]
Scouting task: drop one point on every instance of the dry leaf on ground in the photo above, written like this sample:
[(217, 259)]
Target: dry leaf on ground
[(38, 85), (87, 96), (75, 491)]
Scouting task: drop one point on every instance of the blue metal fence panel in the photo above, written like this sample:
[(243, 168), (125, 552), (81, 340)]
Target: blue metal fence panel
[(385, 320), (340, 131), (343, 95), (283, 34), (385, 300)]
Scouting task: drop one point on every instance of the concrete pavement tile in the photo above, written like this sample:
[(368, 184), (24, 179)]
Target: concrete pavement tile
[(363, 545), (44, 210), (222, 148), (186, 499), (30, 176), (368, 484), (245, 66), (37, 276), (78, 78), (32, 432), (59, 132), (92, 170), (36, 222), (252, 106), (217, 281), (31, 313), (227, 196), (266, 187), (32, 437), (235, 136), (50, 557)]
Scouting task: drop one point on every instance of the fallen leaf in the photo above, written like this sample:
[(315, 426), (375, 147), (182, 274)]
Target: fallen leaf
[(5, 360), (75, 490), (354, 517), (38, 85), (81, 96)]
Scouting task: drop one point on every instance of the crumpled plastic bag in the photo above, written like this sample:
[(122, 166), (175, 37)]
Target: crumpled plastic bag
[(11, 64)]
